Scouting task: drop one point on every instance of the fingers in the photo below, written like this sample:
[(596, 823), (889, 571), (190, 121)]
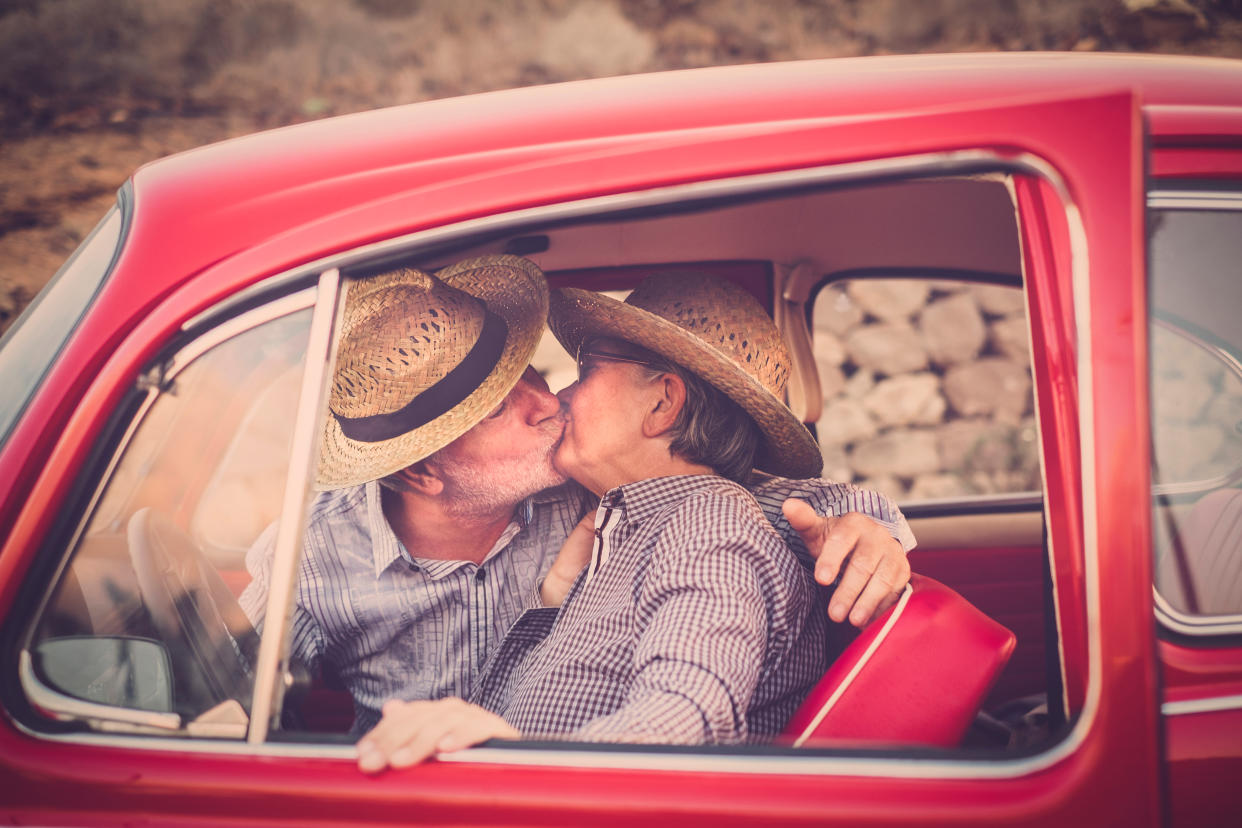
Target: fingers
[(877, 569), (801, 516), (816, 531), (477, 727), (411, 732), (395, 740), (876, 573), (883, 589), (574, 555)]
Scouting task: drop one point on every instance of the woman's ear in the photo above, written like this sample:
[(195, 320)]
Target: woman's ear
[(420, 478), (669, 398)]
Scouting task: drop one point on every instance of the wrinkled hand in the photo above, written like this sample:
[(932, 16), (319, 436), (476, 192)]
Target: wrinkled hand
[(410, 732), (574, 555), (876, 569)]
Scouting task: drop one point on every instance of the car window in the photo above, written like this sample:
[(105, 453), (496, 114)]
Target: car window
[(200, 475), (966, 395), (144, 617), (32, 343), (927, 391), (1196, 394)]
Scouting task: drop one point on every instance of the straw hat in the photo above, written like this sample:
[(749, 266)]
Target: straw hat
[(422, 359), (714, 329)]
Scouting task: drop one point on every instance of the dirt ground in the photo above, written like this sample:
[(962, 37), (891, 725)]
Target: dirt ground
[(92, 89)]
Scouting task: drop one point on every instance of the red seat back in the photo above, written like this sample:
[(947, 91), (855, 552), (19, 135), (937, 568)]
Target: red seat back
[(915, 675)]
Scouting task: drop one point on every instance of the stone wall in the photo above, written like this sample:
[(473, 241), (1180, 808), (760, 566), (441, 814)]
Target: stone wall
[(927, 388)]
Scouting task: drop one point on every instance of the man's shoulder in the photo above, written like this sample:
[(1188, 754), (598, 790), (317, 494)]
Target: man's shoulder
[(335, 504), (763, 485), (828, 497)]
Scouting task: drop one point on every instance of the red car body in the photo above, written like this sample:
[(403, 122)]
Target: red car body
[(1154, 731)]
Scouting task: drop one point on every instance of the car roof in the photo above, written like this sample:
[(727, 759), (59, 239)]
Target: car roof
[(198, 208)]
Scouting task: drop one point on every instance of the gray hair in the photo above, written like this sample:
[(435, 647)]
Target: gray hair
[(711, 429)]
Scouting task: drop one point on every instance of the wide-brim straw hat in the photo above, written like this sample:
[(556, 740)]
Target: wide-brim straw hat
[(717, 331), (423, 359)]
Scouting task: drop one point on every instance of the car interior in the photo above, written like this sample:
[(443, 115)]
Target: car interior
[(901, 299)]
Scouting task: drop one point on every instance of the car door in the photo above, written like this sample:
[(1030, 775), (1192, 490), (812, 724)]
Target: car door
[(1076, 161), (1194, 218)]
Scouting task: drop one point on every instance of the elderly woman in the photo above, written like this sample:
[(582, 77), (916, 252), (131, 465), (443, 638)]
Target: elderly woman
[(692, 623)]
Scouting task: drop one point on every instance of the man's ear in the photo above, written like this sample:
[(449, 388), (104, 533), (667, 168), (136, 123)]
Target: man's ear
[(668, 399), (420, 478)]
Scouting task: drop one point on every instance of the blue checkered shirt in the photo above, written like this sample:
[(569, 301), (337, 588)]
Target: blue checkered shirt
[(694, 624), (395, 626)]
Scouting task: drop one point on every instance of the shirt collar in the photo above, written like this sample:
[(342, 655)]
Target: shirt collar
[(645, 498), (385, 548)]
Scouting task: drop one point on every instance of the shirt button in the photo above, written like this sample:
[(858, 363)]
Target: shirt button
[(481, 575)]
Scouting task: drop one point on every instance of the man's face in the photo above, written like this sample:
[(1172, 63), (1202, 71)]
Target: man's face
[(508, 456), (605, 408)]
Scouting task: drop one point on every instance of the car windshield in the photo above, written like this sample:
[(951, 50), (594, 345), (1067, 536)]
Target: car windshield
[(30, 347)]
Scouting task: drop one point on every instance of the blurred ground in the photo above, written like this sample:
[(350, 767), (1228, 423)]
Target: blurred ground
[(91, 89)]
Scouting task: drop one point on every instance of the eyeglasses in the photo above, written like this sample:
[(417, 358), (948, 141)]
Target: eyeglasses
[(585, 353)]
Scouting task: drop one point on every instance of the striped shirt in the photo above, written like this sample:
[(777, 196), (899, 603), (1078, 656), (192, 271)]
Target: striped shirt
[(392, 625), (694, 624)]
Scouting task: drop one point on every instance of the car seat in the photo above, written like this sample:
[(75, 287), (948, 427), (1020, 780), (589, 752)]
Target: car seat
[(916, 675)]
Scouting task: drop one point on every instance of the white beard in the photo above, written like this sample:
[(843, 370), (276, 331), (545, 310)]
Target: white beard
[(471, 490)]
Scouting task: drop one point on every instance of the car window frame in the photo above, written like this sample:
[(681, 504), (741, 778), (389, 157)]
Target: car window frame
[(765, 761), (1027, 500), (147, 388), (1191, 196), (58, 308), (832, 761)]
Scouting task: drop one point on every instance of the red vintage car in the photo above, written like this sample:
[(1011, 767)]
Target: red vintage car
[(1011, 284)]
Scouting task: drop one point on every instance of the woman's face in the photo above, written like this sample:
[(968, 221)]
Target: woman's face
[(605, 410)]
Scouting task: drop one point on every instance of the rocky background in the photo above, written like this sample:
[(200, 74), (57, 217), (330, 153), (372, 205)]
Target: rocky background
[(92, 89), (927, 388)]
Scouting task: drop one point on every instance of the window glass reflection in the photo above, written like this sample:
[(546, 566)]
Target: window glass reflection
[(146, 615), (1196, 410)]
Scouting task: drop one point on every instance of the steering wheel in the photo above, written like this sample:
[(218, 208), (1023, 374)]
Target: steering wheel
[(210, 641)]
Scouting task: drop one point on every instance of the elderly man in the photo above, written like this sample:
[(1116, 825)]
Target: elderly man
[(443, 510), (693, 622)]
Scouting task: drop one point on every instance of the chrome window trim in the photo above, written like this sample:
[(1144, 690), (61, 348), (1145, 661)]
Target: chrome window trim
[(67, 708), (1196, 625), (271, 664), (595, 757), (283, 306), (945, 163), (1181, 199), (166, 371), (1170, 618), (1213, 704)]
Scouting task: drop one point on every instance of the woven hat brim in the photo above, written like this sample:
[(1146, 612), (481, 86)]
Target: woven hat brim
[(513, 288), (787, 447)]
